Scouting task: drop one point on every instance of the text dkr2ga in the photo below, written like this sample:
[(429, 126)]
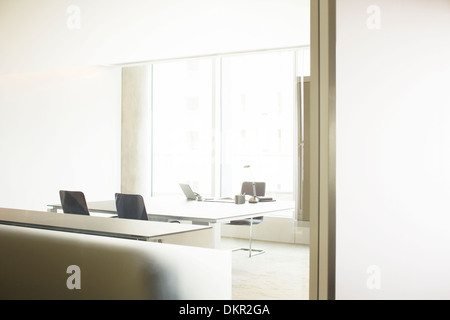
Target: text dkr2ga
[(227, 310)]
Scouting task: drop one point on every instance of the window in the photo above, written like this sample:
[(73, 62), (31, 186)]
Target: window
[(257, 122), (182, 126), (219, 121)]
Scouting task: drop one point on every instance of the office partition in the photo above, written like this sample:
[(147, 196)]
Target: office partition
[(392, 149)]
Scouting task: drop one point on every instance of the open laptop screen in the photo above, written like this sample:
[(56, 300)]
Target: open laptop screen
[(191, 195)]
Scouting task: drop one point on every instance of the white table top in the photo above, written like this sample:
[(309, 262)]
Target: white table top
[(199, 211), (122, 228)]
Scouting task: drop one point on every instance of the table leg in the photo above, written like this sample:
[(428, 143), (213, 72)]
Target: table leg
[(216, 229), (216, 234)]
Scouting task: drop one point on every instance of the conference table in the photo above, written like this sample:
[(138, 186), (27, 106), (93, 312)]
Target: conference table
[(192, 235), (207, 213)]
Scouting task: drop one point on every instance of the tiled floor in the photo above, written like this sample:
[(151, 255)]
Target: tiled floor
[(282, 273)]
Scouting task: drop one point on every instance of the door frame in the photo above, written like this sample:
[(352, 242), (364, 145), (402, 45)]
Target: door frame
[(323, 151)]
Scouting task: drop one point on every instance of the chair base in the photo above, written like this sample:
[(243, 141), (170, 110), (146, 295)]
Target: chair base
[(251, 252)]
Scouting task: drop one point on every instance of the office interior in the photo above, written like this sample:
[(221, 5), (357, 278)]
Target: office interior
[(138, 96), (61, 117)]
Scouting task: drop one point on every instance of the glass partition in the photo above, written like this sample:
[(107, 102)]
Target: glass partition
[(393, 149)]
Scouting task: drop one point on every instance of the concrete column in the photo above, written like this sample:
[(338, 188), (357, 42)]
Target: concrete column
[(136, 131)]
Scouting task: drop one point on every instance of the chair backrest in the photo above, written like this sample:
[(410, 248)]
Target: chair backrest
[(247, 188), (73, 202), (131, 206)]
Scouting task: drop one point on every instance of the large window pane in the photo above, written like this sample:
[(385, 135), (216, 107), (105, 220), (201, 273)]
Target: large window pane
[(257, 122), (182, 126)]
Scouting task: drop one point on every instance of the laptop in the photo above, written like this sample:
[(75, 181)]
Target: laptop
[(191, 195)]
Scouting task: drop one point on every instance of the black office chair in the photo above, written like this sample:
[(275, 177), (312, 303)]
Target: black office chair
[(73, 202), (255, 189), (130, 206)]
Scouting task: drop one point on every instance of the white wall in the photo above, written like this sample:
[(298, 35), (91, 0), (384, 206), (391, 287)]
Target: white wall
[(59, 130), (43, 34), (393, 149), (60, 118)]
